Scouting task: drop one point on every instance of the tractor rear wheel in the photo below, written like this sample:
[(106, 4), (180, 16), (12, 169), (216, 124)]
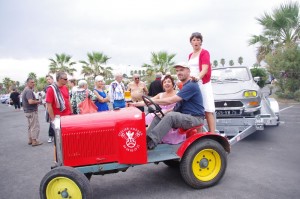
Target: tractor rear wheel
[(203, 164)]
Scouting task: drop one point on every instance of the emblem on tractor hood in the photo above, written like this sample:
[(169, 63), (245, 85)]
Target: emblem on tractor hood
[(130, 136)]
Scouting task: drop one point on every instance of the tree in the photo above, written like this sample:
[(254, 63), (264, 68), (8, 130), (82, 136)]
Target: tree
[(240, 60), (231, 63), (17, 84), (41, 83), (280, 28), (32, 75), (162, 61), (62, 63), (284, 64), (107, 73), (256, 71), (7, 82), (95, 64), (215, 63), (222, 61)]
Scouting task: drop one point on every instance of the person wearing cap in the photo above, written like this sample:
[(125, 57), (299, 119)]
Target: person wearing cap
[(199, 63), (188, 111)]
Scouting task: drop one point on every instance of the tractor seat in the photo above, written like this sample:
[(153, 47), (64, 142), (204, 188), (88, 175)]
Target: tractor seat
[(191, 131)]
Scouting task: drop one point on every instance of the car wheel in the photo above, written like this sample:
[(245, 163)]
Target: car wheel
[(65, 182), (203, 164)]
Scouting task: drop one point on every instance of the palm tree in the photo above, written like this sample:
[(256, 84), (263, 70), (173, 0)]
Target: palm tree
[(150, 71), (94, 66), (215, 63), (162, 61), (32, 75), (279, 28), (17, 84), (7, 82), (222, 61), (62, 63), (41, 83), (107, 73), (231, 63), (240, 60)]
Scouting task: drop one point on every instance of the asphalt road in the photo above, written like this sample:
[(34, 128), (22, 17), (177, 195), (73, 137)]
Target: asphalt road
[(264, 165)]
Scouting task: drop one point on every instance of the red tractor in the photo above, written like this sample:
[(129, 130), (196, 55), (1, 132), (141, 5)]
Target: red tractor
[(112, 141)]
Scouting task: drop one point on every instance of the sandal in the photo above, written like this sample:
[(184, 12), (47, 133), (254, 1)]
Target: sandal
[(37, 144)]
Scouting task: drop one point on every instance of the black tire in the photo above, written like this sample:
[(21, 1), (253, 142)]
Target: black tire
[(203, 164), (172, 163), (65, 181)]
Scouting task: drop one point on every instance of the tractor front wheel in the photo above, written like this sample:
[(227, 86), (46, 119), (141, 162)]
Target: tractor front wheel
[(65, 182)]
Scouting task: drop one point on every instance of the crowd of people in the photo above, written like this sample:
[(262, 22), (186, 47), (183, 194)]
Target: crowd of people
[(185, 103)]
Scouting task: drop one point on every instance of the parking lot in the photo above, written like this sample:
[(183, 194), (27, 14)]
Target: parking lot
[(264, 165)]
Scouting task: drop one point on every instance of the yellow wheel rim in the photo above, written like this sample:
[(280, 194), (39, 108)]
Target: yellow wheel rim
[(62, 187), (206, 165)]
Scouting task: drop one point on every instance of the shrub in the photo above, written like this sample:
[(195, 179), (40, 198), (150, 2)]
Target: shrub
[(260, 72), (297, 95)]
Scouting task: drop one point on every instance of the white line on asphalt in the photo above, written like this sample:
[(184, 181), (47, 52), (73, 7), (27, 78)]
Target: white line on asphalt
[(285, 108)]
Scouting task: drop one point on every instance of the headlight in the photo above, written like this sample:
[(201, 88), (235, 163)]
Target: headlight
[(250, 94)]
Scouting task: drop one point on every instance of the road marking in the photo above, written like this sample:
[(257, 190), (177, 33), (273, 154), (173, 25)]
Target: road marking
[(285, 108)]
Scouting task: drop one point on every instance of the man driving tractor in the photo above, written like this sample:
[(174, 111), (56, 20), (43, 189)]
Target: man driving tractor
[(188, 112)]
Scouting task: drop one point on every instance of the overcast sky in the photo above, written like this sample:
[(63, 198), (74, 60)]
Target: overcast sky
[(32, 31)]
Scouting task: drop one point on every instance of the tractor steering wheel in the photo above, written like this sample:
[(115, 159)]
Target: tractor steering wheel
[(156, 110)]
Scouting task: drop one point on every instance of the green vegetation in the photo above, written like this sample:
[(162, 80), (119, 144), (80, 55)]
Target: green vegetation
[(259, 72), (278, 46), (62, 62)]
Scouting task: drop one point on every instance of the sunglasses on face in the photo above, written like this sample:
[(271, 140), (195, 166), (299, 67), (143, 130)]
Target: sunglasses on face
[(65, 79), (136, 78)]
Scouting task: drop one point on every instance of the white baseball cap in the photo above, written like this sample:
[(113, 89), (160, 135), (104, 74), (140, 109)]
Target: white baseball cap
[(181, 64)]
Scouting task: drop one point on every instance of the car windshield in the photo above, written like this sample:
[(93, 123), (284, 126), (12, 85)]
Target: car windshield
[(230, 74)]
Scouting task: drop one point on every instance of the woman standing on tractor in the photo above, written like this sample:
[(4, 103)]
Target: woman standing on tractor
[(199, 63)]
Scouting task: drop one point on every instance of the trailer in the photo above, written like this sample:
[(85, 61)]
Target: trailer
[(236, 129)]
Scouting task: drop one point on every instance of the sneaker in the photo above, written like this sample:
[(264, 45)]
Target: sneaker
[(36, 144), (50, 139)]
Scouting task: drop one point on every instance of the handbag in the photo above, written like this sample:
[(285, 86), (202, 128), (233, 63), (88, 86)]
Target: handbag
[(87, 106)]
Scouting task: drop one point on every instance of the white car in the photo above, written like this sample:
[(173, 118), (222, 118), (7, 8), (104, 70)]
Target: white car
[(235, 91), (5, 98)]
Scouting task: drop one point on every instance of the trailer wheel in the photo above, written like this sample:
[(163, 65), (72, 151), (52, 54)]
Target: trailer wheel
[(203, 164), (65, 182)]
